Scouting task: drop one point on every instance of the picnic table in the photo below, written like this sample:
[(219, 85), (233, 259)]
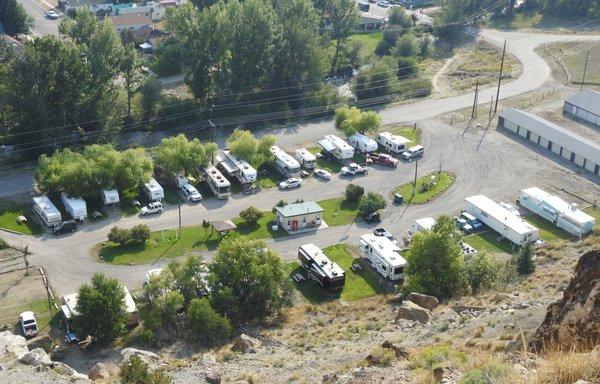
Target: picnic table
[(96, 214), (355, 267), (298, 278)]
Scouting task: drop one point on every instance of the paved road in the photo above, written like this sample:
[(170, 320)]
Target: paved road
[(41, 24)]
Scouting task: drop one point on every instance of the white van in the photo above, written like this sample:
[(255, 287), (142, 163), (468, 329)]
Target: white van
[(413, 153)]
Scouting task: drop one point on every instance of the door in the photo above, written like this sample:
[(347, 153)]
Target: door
[(294, 225)]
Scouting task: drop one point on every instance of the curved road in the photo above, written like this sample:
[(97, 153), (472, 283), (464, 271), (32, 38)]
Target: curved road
[(500, 167)]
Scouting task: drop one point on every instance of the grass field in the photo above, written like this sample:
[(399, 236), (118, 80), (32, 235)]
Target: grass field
[(443, 181), (330, 165), (358, 285), (368, 40), (595, 213), (262, 229), (574, 58), (338, 211), (268, 179), (10, 211), (548, 231), (411, 134), (488, 241)]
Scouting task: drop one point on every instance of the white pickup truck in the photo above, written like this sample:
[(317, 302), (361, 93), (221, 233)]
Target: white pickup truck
[(353, 169)]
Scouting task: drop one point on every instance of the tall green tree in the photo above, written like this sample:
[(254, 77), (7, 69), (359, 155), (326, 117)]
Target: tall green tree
[(377, 82), (131, 68), (208, 325), (243, 144), (351, 120), (524, 258), (178, 155), (150, 97), (14, 18)]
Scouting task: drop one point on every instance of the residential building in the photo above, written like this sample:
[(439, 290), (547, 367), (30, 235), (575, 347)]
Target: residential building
[(585, 105), (299, 217), (371, 22), (132, 21)]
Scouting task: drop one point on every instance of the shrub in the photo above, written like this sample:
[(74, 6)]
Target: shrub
[(406, 46), (370, 203), (433, 356), (206, 323), (119, 236), (524, 257), (140, 233), (136, 371), (354, 192), (3, 244), (171, 303), (490, 372), (382, 357), (407, 66), (484, 271), (251, 215)]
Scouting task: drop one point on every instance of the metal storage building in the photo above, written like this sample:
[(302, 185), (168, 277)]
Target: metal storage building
[(585, 105), (570, 146)]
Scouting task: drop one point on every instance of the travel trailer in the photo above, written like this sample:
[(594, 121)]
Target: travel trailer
[(305, 158), (76, 207), (110, 196), (392, 143), (287, 165), (384, 256), (49, 214), (336, 147), (362, 143), (326, 273), (154, 191)]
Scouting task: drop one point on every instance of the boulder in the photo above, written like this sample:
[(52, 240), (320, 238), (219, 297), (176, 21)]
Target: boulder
[(574, 321), (99, 372), (146, 356), (212, 377), (425, 301), (411, 311), (245, 344), (35, 357), (209, 359), (12, 347), (65, 370), (45, 342), (501, 296)]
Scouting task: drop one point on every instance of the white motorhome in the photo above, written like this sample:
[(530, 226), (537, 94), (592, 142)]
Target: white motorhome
[(393, 143), (110, 196), (362, 143), (306, 158), (383, 255), (49, 214), (154, 191), (501, 220), (284, 163), (336, 147), (236, 167), (218, 184), (75, 206)]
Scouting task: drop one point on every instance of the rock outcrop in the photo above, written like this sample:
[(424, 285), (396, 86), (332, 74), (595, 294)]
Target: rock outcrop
[(99, 372), (425, 301), (411, 311), (12, 347), (245, 344), (35, 357), (146, 356), (574, 321)]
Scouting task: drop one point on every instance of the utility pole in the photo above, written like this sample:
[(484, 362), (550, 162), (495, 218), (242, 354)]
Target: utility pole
[(490, 113), (475, 97), (508, 8), (587, 57), (179, 207), (500, 76), (212, 138), (415, 183)]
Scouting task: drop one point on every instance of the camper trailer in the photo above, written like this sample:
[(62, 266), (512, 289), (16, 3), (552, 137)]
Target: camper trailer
[(362, 143), (424, 224), (384, 256), (49, 214), (218, 184), (154, 191), (336, 147), (559, 212), (305, 158), (236, 167), (392, 143), (326, 273), (75, 206), (507, 224), (110, 196), (284, 163)]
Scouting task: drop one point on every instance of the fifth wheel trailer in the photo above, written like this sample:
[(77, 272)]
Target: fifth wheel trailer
[(47, 211), (501, 220), (75, 206)]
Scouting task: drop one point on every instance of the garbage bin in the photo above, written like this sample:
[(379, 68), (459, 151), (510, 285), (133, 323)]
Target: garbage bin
[(398, 198)]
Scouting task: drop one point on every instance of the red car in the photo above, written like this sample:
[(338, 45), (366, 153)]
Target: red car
[(382, 158)]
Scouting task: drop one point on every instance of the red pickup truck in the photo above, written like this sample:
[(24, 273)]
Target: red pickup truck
[(382, 158)]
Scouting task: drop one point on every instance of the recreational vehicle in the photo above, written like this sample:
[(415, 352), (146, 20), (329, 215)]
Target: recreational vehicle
[(320, 269), (392, 143), (336, 147), (154, 191), (49, 214), (556, 210), (110, 196), (305, 158), (236, 167), (75, 206), (362, 143), (284, 163), (507, 224), (218, 184), (424, 224), (384, 256)]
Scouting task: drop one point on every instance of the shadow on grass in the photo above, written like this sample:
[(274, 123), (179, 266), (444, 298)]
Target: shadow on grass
[(309, 289)]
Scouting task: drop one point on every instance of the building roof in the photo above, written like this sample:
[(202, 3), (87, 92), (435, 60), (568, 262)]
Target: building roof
[(396, 139), (223, 226), (46, 205), (386, 248), (554, 133), (501, 214), (283, 157), (297, 209), (587, 99), (70, 303), (133, 9), (368, 18), (85, 3), (305, 154), (154, 186), (322, 264), (426, 223), (16, 44), (557, 204), (131, 19)]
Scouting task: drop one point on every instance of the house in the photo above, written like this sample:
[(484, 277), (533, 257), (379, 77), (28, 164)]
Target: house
[(299, 217), (132, 21), (14, 43), (585, 106), (371, 22), (91, 5), (157, 10)]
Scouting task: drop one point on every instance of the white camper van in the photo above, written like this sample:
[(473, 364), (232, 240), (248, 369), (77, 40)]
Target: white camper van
[(336, 147), (393, 143), (362, 143), (306, 158), (383, 255), (154, 191), (75, 206), (49, 214), (110, 196), (284, 163)]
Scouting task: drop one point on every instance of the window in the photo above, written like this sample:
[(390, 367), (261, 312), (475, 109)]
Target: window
[(398, 270)]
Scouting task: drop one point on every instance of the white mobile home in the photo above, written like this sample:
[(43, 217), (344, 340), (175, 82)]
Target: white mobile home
[(284, 163), (556, 210), (384, 256), (218, 184), (319, 268), (393, 143), (110, 196), (362, 143), (49, 214), (75, 206), (236, 167), (337, 147), (154, 191), (305, 158), (424, 224), (501, 220)]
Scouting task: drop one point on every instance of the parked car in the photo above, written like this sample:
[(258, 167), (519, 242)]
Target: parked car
[(51, 14), (382, 158), (191, 192), (66, 226), (413, 153), (381, 231), (383, 3), (155, 207), (28, 324), (322, 174), (353, 169), (463, 225), (290, 183), (472, 220)]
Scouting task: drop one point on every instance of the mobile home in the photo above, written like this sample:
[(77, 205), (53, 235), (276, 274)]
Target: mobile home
[(284, 163), (337, 147), (154, 191), (75, 206), (306, 158), (393, 143), (218, 184), (110, 196), (236, 167), (49, 214), (326, 273), (362, 143), (384, 256), (556, 210), (501, 220)]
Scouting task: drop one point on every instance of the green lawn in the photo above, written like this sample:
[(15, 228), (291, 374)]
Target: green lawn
[(488, 240), (268, 180), (43, 313), (262, 229), (548, 231), (414, 135), (358, 285), (330, 165), (595, 213), (338, 211), (443, 181), (9, 211), (368, 40)]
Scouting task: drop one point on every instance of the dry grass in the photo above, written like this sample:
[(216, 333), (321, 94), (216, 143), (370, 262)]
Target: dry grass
[(559, 367)]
